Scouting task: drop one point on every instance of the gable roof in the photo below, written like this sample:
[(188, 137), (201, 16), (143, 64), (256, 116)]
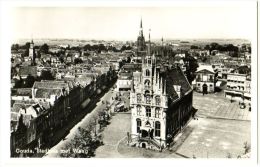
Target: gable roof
[(205, 67), (173, 77), (50, 85), (28, 70), (46, 93), (21, 92)]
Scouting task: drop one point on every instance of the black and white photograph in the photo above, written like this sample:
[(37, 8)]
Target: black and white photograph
[(159, 80)]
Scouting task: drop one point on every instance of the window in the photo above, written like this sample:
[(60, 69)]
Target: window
[(139, 98), (157, 113), (210, 85), (148, 111), (157, 100), (157, 129), (138, 125), (147, 72), (148, 99), (147, 84), (198, 84), (211, 77), (138, 108), (198, 77)]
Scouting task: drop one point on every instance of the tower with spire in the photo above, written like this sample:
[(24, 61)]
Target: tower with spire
[(140, 39)]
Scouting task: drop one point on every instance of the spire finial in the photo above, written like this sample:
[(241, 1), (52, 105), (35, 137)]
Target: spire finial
[(141, 23), (149, 34)]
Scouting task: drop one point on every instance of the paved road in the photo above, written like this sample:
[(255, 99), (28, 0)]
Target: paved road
[(100, 106)]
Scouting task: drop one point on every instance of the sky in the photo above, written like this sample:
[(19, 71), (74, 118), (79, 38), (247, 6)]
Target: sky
[(122, 23)]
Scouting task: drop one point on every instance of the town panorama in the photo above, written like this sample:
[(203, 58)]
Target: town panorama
[(145, 98)]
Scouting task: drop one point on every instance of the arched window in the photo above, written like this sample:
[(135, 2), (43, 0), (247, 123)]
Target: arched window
[(138, 108), (139, 98), (157, 100), (148, 111), (147, 72), (157, 129), (157, 113), (148, 99), (147, 82), (138, 125)]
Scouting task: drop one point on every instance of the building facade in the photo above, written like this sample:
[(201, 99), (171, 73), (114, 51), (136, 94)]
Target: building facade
[(238, 87), (205, 81), (161, 104)]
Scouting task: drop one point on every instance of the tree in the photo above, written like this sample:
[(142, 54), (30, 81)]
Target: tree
[(38, 55), (15, 47), (44, 48), (46, 75), (26, 47), (78, 60), (194, 47), (81, 146), (29, 81)]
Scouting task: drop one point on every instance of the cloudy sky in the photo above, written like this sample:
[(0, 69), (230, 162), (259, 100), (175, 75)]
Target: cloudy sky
[(225, 20)]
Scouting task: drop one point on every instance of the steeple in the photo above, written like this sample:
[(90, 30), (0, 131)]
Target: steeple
[(141, 24), (149, 44), (140, 39), (141, 28)]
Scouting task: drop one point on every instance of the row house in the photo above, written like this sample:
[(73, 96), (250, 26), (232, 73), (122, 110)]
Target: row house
[(29, 115)]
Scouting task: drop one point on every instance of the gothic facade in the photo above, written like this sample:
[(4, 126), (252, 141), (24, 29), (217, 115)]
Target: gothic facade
[(161, 103)]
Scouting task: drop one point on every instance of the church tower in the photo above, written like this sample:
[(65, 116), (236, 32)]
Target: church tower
[(31, 52), (140, 39)]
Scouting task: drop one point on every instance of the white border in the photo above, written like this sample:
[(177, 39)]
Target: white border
[(6, 36)]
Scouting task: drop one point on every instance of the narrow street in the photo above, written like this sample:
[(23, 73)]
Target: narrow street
[(54, 151)]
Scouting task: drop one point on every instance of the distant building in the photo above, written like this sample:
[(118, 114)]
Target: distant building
[(238, 87), (25, 71), (205, 79), (31, 52), (124, 81)]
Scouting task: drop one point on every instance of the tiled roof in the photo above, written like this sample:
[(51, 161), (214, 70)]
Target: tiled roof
[(46, 93), (50, 85), (22, 92), (175, 76), (83, 80), (26, 70), (17, 106)]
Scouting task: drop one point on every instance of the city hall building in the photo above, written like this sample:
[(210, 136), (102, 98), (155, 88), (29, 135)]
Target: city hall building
[(160, 100)]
